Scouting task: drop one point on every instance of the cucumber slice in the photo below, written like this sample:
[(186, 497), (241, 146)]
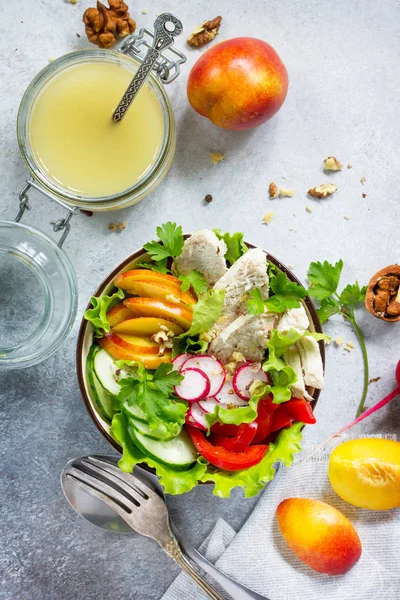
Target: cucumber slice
[(178, 453), (106, 369), (102, 398), (145, 429), (136, 412)]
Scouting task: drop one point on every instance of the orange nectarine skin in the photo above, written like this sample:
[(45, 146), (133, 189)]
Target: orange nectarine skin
[(118, 314), (238, 84), (150, 361), (319, 534)]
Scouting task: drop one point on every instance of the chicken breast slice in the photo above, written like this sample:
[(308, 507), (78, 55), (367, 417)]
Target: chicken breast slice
[(291, 356), (205, 253), (247, 334), (247, 273), (293, 318), (311, 362)]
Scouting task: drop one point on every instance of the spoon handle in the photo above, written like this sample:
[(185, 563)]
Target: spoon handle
[(163, 38), (236, 590), (173, 550)]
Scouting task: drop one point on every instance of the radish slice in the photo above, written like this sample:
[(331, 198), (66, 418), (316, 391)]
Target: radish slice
[(211, 367), (208, 405), (227, 396), (245, 376), (195, 385), (179, 360), (197, 417)]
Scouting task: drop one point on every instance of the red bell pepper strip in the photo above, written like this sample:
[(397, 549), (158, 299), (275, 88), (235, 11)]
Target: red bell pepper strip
[(281, 418), (242, 439), (226, 459), (224, 429), (265, 410), (300, 410)]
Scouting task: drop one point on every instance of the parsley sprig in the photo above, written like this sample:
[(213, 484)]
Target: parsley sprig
[(171, 236), (153, 392), (286, 294), (324, 280)]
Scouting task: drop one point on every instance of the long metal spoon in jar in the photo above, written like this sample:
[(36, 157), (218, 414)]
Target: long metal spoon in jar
[(166, 27), (107, 497)]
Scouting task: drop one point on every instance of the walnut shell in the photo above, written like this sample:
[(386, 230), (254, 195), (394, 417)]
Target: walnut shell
[(383, 294)]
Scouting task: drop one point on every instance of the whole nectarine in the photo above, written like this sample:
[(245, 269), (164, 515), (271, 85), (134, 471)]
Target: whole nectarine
[(319, 534), (238, 84)]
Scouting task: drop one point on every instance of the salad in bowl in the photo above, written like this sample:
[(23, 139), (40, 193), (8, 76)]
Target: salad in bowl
[(200, 357)]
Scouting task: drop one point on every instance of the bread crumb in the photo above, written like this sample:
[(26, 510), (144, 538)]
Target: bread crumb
[(268, 217), (363, 180), (52, 59), (347, 217), (295, 214), (291, 266), (349, 166), (216, 157), (286, 192), (308, 208), (350, 344), (273, 190), (144, 11), (73, 1), (332, 164), (292, 229), (338, 340), (348, 348)]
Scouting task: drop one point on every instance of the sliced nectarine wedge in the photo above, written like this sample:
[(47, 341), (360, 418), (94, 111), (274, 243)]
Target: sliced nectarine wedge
[(118, 313), (124, 280), (150, 361), (160, 291), (145, 326), (150, 307), (138, 345)]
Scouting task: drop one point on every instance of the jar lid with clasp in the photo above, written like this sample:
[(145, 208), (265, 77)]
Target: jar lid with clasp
[(81, 158)]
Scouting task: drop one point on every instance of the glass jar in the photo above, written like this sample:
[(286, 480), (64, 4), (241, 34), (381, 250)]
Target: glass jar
[(39, 295)]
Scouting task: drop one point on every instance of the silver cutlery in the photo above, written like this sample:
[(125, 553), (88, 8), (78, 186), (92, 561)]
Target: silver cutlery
[(109, 498)]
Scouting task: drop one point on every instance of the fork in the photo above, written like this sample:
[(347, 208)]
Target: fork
[(138, 505)]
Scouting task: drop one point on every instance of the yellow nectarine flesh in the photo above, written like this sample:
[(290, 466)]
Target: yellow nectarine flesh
[(366, 473), (124, 280), (136, 344), (160, 291), (150, 307), (150, 361), (146, 326), (118, 313), (319, 534)]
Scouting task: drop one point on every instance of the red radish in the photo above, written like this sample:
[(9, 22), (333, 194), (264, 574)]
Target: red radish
[(211, 367), (227, 396), (208, 405), (196, 417), (245, 376), (195, 385), (179, 360)]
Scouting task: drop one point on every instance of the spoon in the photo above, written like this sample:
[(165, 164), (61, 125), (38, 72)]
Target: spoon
[(94, 510)]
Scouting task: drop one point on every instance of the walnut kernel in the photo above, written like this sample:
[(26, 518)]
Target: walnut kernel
[(383, 294), (286, 192), (205, 33), (332, 164), (216, 157), (105, 25), (273, 190), (323, 190)]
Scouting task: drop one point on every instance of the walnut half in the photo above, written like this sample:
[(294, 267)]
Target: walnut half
[(104, 25), (205, 33), (323, 190), (383, 294)]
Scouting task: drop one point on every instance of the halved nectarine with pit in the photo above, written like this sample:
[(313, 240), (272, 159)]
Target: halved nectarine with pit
[(150, 361), (150, 307), (146, 326)]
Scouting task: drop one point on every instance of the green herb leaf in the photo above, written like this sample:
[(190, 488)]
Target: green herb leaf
[(327, 309), (324, 279), (171, 236), (234, 243), (255, 305), (206, 312), (287, 294), (352, 294), (195, 280), (97, 315), (159, 267)]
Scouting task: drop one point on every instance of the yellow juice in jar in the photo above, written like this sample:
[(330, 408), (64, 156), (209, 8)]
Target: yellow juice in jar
[(75, 141)]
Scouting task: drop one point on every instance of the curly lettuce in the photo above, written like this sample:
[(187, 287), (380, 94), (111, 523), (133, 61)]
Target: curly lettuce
[(97, 315)]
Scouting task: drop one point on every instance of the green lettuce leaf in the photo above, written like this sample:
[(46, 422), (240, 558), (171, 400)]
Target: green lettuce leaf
[(234, 243), (173, 482), (206, 312), (252, 480), (192, 344), (97, 315)]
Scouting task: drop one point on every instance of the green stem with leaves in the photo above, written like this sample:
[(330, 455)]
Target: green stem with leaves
[(351, 317)]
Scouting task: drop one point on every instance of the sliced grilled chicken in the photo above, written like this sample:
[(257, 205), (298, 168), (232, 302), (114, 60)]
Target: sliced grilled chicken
[(293, 318), (247, 334), (203, 252), (291, 356)]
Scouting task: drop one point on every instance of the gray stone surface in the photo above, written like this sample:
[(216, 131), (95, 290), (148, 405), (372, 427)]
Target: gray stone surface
[(343, 59)]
